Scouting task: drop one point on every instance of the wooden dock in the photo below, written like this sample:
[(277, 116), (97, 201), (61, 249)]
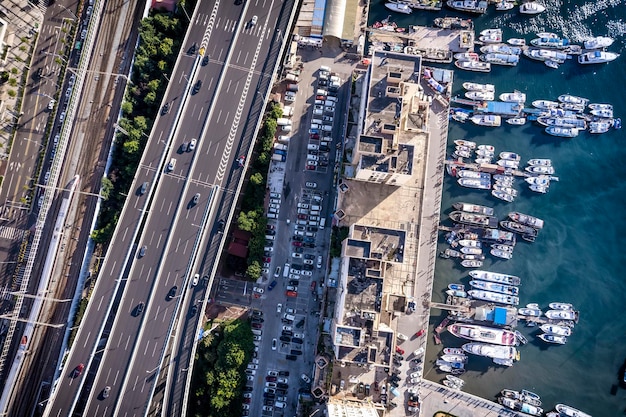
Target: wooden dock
[(489, 168)]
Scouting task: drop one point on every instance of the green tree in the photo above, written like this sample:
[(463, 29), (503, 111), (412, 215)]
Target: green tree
[(256, 178), (131, 147), (106, 188), (166, 46), (150, 98), (141, 123), (127, 107), (247, 220), (254, 270)]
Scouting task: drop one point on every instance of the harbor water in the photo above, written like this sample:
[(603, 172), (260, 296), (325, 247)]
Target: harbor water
[(578, 257)]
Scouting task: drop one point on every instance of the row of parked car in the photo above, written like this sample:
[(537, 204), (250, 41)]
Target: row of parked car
[(323, 115)]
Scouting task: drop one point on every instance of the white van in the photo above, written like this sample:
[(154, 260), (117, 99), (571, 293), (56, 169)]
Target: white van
[(280, 404), (286, 128), (324, 68), (270, 237), (316, 121), (289, 317), (315, 126), (322, 223), (312, 147), (326, 128), (331, 99), (272, 215), (314, 213), (322, 92), (314, 207)]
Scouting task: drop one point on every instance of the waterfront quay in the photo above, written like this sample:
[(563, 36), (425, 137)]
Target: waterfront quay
[(435, 397)]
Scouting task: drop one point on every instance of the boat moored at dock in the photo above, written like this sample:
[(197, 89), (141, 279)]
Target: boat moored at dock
[(517, 405), (484, 334), (496, 277), (567, 411), (598, 42), (526, 219), (472, 219), (556, 329), (491, 351), (494, 297), (495, 287), (552, 338), (597, 57), (473, 208)]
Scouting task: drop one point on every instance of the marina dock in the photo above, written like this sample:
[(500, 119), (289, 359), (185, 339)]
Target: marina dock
[(489, 168)]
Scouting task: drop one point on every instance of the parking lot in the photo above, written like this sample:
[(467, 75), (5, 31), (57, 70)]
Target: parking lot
[(286, 302)]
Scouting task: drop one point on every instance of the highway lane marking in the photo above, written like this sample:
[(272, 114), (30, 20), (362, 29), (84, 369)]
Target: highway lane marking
[(154, 349), (124, 235), (145, 350), (100, 303), (209, 26), (127, 343)]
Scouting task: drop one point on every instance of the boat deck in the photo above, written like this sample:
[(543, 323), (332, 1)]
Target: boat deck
[(427, 38), (488, 168)]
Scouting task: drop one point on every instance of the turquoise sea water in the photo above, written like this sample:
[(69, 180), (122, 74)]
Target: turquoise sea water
[(579, 255)]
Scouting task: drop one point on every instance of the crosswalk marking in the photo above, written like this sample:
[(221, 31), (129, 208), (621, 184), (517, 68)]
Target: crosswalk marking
[(11, 233)]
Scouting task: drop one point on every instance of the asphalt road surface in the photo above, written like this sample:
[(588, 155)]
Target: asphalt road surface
[(225, 99)]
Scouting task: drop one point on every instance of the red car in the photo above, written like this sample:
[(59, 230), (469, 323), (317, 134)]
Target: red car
[(247, 400), (314, 136), (303, 216), (270, 378), (291, 294), (256, 325), (399, 350), (310, 167), (267, 259), (270, 227), (296, 243), (320, 97), (420, 333), (78, 370)]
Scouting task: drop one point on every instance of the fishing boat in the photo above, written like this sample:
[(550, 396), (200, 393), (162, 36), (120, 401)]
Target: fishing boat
[(600, 106), (551, 43), (484, 153), (545, 104), (598, 42), (561, 306), (567, 411), (503, 6), (600, 126), (547, 35), (562, 315), (460, 115), (493, 297), (474, 183), (488, 148), (545, 54), (496, 277), (517, 405), (473, 219), (473, 208), (564, 132), (491, 38), (471, 251), (399, 8), (516, 41), (450, 370), (478, 87), (491, 31), (489, 120), (521, 339), (459, 287), (519, 228), (539, 188), (531, 8), (540, 162), (463, 153), (503, 188), (539, 169), (507, 163), (457, 293), (576, 108), (457, 382), (453, 365), (501, 195), (470, 257), (471, 263), (507, 248), (552, 338), (602, 112), (529, 312), (501, 49), (451, 385), (543, 180), (453, 351), (501, 254), (556, 329), (479, 95), (453, 23), (526, 219), (483, 160), (571, 121), (491, 351), (473, 66), (484, 334), (468, 173), (515, 97), (450, 253), (512, 156), (466, 143), (516, 121), (500, 59), (551, 64), (455, 358), (568, 98), (597, 57), (470, 243), (467, 56), (470, 6), (495, 287)]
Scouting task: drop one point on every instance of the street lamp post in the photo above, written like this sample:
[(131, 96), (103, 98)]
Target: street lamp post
[(67, 10)]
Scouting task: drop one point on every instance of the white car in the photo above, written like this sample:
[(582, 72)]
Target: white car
[(250, 372), (268, 408), (268, 249), (258, 290), (272, 373), (283, 380), (269, 390), (318, 107), (250, 378), (311, 184), (418, 352), (171, 165), (307, 273), (299, 335), (274, 343), (247, 395), (192, 145), (327, 119), (305, 378), (310, 162), (279, 308), (402, 336), (308, 261), (413, 380), (303, 206), (287, 328), (292, 288), (312, 157), (270, 384), (254, 20), (245, 406), (274, 206), (294, 277), (290, 311), (319, 262), (290, 98), (255, 337), (415, 375)]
